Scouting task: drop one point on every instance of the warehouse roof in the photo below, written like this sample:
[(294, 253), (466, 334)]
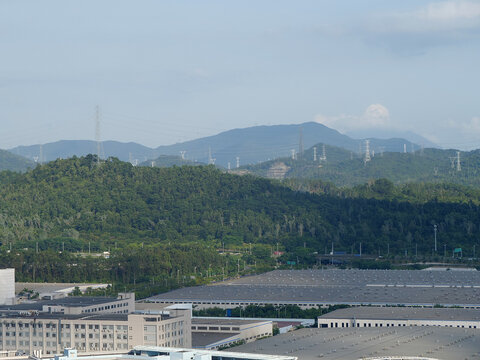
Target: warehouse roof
[(224, 321), (202, 339), (404, 313), (355, 287), (354, 344)]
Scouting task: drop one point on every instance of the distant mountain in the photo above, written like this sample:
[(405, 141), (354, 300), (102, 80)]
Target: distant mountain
[(262, 143), (12, 162), (389, 134), (64, 149), (345, 168), (251, 145)]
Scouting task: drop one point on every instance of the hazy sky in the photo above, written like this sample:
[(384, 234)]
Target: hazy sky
[(169, 71)]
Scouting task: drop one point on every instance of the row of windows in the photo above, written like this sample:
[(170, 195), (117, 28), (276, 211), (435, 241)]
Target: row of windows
[(107, 307), (215, 328), (344, 325)]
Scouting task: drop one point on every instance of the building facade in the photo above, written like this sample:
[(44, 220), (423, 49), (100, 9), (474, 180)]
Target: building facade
[(7, 286), (51, 333), (368, 317), (211, 333)]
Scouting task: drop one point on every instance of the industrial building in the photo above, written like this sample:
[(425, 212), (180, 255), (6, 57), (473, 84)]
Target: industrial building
[(7, 286), (50, 291), (91, 324), (312, 288), (367, 317), (50, 333), (165, 353), (76, 305), (399, 343), (214, 333)]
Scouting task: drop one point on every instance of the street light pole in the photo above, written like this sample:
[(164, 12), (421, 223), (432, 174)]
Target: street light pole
[(435, 231)]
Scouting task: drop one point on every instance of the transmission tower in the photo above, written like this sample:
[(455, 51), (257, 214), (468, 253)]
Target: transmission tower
[(367, 152), (211, 161), (182, 154), (452, 161), (459, 167), (324, 153)]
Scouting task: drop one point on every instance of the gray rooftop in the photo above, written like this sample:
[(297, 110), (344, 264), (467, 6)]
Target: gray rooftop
[(404, 313), (202, 339), (73, 301), (58, 316), (354, 344), (410, 287), (223, 321)]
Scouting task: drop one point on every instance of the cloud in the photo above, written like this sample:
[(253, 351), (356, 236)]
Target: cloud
[(461, 134), (448, 11), (375, 116), (436, 24), (470, 127)]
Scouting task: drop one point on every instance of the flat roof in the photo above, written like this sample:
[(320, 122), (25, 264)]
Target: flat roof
[(354, 344), (356, 287), (219, 354), (57, 316), (71, 301), (52, 287), (224, 321), (202, 339), (404, 313)]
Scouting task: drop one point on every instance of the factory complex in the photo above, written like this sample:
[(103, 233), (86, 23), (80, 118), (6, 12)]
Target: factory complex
[(414, 315), (312, 288)]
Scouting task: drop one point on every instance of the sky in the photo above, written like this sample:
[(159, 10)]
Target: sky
[(164, 72)]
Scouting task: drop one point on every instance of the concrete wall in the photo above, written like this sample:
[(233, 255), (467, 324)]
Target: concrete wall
[(7, 286), (368, 323)]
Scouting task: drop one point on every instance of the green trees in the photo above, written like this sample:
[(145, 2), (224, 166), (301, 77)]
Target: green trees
[(165, 226)]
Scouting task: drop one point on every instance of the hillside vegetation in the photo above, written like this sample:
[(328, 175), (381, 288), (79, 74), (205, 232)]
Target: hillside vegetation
[(164, 225), (12, 162), (345, 168), (117, 203)]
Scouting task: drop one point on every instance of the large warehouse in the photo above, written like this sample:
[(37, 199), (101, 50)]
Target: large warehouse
[(311, 288), (7, 286), (418, 343), (373, 316)]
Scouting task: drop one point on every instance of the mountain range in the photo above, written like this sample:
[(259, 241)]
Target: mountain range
[(250, 145)]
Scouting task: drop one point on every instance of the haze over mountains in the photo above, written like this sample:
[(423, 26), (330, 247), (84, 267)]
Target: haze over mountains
[(251, 145)]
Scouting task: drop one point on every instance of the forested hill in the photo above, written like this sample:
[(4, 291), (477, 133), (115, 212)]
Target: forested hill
[(344, 168), (12, 162), (115, 203)]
